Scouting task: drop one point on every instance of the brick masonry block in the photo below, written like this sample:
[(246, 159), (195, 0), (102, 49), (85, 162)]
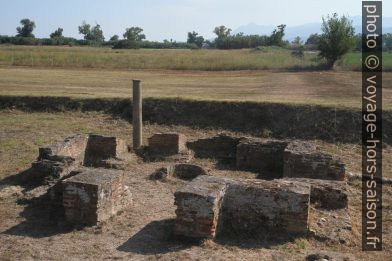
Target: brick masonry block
[(167, 143), (198, 206), (302, 160), (100, 148), (73, 147), (260, 206), (261, 156), (58, 160), (221, 147), (94, 195), (208, 205), (328, 194)]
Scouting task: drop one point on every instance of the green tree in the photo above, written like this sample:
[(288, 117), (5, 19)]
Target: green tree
[(85, 29), (277, 35), (222, 40), (337, 38), (134, 34), (297, 41), (27, 28), (94, 34), (387, 41), (312, 39), (298, 48), (57, 34), (222, 31), (114, 38), (194, 38)]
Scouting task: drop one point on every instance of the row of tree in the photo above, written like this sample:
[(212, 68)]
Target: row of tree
[(134, 38), (337, 38)]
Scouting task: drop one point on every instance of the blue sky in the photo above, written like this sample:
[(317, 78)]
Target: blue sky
[(168, 19)]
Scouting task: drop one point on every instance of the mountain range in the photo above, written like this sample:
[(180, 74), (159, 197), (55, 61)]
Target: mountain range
[(305, 30)]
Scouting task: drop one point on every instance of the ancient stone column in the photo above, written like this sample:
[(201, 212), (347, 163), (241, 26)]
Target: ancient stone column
[(137, 114)]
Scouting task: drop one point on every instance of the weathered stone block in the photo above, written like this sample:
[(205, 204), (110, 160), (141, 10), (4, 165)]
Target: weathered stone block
[(302, 160), (220, 147), (167, 143), (261, 156), (94, 195), (58, 160), (49, 168), (187, 171), (329, 194), (101, 148), (198, 206), (248, 206), (257, 206), (73, 147)]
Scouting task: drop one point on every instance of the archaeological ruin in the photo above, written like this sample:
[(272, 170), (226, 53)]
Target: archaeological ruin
[(298, 185)]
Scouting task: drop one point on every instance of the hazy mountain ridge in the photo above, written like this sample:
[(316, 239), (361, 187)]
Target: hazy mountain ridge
[(305, 30)]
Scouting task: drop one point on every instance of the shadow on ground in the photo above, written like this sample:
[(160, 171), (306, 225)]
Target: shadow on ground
[(41, 219), (155, 238), (251, 241), (21, 179)]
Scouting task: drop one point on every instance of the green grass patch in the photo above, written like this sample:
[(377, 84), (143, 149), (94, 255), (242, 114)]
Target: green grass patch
[(173, 59)]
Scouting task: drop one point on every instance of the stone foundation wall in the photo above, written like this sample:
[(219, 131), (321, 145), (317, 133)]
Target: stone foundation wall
[(93, 196), (329, 194), (167, 143), (100, 148), (198, 206), (58, 160), (73, 147), (261, 156), (220, 147), (259, 206), (209, 204), (304, 161)]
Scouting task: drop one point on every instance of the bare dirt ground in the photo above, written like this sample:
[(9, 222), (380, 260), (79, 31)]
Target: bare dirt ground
[(29, 230)]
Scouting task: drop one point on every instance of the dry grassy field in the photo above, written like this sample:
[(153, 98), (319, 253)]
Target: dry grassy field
[(263, 58), (173, 59), (335, 89)]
